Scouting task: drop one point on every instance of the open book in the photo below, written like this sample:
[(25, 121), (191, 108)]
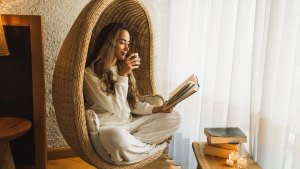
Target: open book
[(184, 90)]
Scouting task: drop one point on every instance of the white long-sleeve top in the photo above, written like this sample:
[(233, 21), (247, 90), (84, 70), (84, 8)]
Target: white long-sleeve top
[(111, 109)]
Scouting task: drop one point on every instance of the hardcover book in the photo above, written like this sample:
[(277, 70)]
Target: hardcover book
[(225, 135), (183, 91), (229, 146), (216, 151)]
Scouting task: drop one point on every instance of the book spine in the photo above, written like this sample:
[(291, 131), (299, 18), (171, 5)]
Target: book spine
[(234, 147), (216, 151), (222, 140)]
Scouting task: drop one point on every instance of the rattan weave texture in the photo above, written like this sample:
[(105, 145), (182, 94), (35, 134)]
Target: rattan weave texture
[(69, 70)]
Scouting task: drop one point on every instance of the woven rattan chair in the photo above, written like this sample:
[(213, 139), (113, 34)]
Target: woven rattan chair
[(69, 70)]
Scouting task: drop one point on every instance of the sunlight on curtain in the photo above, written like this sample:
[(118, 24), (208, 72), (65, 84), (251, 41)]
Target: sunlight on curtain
[(276, 59), (247, 58)]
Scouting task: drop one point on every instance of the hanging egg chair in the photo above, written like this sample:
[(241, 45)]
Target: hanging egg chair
[(68, 76)]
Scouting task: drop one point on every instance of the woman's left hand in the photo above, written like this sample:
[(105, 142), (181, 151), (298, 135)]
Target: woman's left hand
[(162, 109)]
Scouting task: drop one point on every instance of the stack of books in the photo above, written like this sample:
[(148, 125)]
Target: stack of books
[(223, 141)]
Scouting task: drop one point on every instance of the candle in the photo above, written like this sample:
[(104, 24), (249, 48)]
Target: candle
[(242, 162), (229, 162), (233, 156)]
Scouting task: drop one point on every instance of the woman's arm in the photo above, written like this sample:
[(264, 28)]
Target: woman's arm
[(146, 108), (143, 108), (93, 88)]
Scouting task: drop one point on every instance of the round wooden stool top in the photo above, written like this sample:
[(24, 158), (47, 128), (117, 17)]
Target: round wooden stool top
[(12, 127)]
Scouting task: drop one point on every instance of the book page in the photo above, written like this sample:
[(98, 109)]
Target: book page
[(185, 95), (192, 78), (181, 91), (184, 90)]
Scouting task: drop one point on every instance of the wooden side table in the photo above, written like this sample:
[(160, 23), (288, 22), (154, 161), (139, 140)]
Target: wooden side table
[(210, 162), (10, 129)]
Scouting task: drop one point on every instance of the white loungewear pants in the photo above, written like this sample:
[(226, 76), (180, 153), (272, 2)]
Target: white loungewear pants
[(136, 141)]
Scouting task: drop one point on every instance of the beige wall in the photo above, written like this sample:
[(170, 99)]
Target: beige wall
[(57, 18), (56, 21)]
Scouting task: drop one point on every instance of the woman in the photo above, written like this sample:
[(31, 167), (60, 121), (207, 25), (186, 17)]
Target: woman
[(127, 129)]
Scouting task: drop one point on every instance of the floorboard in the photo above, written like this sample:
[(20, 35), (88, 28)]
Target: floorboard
[(76, 163)]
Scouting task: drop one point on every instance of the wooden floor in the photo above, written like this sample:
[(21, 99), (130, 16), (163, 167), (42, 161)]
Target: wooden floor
[(76, 163)]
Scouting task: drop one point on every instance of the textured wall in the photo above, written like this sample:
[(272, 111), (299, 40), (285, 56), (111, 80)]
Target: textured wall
[(57, 17)]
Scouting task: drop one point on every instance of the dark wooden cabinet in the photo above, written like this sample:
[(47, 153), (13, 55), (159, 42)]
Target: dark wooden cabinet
[(22, 87)]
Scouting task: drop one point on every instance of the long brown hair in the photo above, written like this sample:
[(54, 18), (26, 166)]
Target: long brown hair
[(100, 57)]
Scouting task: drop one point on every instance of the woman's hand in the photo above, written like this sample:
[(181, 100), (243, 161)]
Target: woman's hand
[(162, 109), (130, 63)]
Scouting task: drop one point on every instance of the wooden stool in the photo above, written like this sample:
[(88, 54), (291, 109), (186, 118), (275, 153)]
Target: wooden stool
[(10, 129)]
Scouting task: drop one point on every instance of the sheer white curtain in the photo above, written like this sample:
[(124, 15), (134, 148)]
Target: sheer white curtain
[(275, 88), (247, 57)]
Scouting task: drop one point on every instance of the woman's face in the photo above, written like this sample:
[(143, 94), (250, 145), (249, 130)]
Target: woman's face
[(122, 45)]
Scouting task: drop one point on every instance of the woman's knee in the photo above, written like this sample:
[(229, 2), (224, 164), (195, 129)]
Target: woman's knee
[(114, 137), (176, 115), (175, 118)]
